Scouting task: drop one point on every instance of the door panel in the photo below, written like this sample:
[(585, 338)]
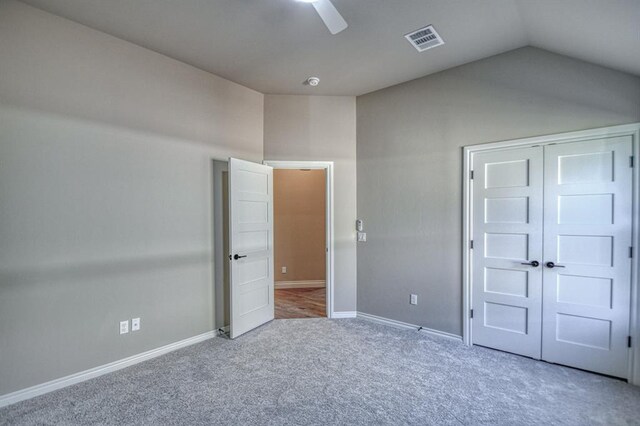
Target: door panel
[(251, 239), (587, 231), (507, 232)]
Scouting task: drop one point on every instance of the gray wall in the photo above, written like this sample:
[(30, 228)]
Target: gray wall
[(322, 128), (105, 194), (410, 165), (221, 242)]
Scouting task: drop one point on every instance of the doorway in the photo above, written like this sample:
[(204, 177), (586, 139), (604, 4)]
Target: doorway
[(299, 212), (243, 235), (303, 238), (549, 259)]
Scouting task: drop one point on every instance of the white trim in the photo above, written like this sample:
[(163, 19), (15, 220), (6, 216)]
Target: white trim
[(581, 135), (407, 326), (344, 314), (634, 332), (300, 284), (328, 166), (72, 379), (632, 130)]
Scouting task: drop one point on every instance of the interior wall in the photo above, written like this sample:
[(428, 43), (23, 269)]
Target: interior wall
[(105, 194), (322, 128), (410, 165), (299, 213), (221, 242)]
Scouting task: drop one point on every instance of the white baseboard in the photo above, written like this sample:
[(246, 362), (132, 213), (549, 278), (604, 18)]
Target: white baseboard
[(21, 395), (300, 284), (407, 326), (344, 314)]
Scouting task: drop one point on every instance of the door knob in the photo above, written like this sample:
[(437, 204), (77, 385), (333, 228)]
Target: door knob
[(553, 265), (533, 263), (237, 256)]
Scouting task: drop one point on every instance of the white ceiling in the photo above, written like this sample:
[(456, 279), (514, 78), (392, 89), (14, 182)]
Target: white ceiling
[(273, 45)]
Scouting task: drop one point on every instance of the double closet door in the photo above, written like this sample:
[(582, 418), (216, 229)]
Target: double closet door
[(551, 266)]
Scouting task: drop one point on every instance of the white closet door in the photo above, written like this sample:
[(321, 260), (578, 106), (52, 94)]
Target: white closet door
[(251, 245), (587, 235), (507, 235)]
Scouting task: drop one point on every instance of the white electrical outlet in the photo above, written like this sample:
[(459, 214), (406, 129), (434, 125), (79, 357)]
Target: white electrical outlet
[(413, 299), (135, 324), (362, 237), (284, 269), (124, 327)]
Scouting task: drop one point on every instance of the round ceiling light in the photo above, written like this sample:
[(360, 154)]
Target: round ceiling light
[(313, 81)]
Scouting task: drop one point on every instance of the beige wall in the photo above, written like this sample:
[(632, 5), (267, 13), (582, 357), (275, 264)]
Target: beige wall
[(322, 128), (410, 140), (299, 211), (105, 194)]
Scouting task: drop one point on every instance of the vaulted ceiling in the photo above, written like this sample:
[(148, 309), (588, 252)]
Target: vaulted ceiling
[(273, 46)]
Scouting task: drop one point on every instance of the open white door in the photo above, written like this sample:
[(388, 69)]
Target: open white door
[(250, 245)]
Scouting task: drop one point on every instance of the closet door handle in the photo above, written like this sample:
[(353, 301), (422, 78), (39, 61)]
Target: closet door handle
[(533, 263), (552, 265), (237, 256)]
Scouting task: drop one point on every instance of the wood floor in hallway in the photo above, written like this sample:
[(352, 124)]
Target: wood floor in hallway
[(300, 303)]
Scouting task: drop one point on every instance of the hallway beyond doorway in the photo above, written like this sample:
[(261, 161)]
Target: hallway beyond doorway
[(300, 303)]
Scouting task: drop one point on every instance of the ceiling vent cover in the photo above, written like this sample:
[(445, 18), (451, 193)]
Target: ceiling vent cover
[(424, 38)]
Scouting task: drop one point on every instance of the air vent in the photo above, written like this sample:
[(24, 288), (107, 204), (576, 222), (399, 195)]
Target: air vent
[(424, 38)]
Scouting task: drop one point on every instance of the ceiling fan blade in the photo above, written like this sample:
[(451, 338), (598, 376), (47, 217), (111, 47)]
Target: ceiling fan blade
[(330, 15)]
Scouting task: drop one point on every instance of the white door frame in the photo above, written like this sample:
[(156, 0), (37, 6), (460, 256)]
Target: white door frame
[(328, 166), (632, 130)]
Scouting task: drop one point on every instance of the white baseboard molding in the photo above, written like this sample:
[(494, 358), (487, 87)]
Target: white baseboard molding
[(407, 326), (344, 314), (300, 284), (41, 389)]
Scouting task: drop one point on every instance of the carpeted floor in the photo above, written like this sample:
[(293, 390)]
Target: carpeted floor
[(339, 372)]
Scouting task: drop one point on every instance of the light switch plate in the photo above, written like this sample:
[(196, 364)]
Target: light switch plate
[(124, 327), (284, 269), (135, 324), (413, 299)]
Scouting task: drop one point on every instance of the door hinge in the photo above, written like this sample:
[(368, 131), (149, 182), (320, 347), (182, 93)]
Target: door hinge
[(471, 244), (630, 252), (631, 161), (471, 175), (472, 313), (628, 341)]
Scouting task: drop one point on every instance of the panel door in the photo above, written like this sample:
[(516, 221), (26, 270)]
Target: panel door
[(587, 236), (251, 245), (507, 234)]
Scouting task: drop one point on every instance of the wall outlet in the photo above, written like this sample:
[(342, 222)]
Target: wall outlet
[(362, 236), (135, 324), (124, 327), (284, 269), (413, 299)]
